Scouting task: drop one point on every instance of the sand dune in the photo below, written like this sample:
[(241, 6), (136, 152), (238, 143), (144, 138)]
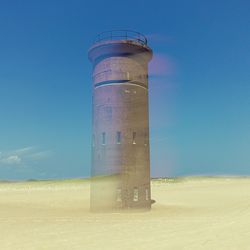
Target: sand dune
[(189, 213)]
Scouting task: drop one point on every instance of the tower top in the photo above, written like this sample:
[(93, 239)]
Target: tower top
[(121, 35), (119, 43)]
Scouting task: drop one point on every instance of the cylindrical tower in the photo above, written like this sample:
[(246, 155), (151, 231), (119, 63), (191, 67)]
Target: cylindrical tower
[(120, 148)]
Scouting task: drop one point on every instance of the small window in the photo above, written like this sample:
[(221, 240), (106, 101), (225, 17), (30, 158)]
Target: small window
[(136, 194), (119, 195), (134, 137), (103, 138), (118, 137), (147, 194)]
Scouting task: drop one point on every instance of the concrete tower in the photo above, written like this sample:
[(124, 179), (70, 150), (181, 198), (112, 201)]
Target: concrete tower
[(120, 149)]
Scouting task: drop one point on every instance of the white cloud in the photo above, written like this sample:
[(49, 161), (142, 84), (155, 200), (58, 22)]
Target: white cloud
[(23, 151), (39, 155), (11, 160), (22, 156)]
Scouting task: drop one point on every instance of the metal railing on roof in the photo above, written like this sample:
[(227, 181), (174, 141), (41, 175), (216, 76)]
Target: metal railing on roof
[(121, 35)]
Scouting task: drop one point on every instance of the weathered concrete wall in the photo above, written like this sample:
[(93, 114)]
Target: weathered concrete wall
[(120, 129)]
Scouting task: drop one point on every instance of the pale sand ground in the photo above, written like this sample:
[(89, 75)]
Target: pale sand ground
[(196, 213)]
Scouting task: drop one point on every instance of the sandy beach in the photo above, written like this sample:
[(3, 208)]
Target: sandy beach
[(189, 213)]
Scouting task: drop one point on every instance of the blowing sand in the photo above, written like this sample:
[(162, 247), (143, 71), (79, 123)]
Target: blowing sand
[(189, 213)]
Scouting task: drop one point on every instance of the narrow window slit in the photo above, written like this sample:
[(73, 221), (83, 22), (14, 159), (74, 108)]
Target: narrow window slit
[(134, 137), (136, 194), (103, 138), (118, 137)]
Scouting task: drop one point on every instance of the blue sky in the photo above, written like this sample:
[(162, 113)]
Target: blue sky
[(199, 84)]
